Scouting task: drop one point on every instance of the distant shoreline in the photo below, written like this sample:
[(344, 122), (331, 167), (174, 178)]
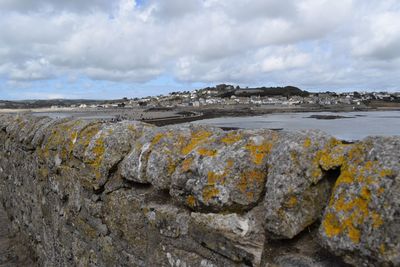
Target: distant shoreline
[(179, 115)]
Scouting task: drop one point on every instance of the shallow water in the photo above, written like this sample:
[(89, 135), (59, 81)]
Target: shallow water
[(355, 126)]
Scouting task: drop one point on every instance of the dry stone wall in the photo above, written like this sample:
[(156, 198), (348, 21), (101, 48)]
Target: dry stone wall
[(93, 193)]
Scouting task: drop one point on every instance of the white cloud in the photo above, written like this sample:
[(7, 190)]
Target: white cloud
[(303, 42), (380, 38)]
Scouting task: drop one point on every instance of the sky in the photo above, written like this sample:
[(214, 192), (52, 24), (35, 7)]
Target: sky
[(102, 49)]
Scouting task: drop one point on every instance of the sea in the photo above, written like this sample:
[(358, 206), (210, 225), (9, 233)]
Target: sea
[(348, 126)]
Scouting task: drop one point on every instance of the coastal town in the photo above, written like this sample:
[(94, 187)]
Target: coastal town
[(211, 102), (229, 95)]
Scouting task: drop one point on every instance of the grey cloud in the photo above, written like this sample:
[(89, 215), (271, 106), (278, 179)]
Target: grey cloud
[(258, 41), (248, 9), (29, 6), (170, 9)]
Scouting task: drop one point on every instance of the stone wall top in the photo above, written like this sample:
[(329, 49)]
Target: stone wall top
[(245, 187)]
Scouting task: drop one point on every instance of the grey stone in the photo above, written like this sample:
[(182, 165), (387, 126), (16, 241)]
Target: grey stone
[(361, 222), (296, 189), (225, 172)]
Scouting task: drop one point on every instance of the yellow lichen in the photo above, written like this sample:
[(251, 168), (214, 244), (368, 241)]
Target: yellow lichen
[(386, 172), (291, 202), (330, 158), (346, 176), (186, 164), (331, 225), (156, 139), (210, 192), (251, 181), (376, 220), (86, 135), (171, 166), (354, 234), (191, 201), (214, 178), (259, 152), (207, 152), (382, 248), (196, 139), (98, 154), (355, 210), (231, 138), (307, 143)]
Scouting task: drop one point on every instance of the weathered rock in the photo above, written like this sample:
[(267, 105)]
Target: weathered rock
[(158, 151), (92, 193), (133, 167), (226, 172), (238, 237), (297, 189), (169, 220), (58, 140), (25, 128), (362, 221), (107, 148)]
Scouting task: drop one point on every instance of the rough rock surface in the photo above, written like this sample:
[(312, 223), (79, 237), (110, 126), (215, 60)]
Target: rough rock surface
[(362, 220), (297, 188), (93, 193), (225, 172)]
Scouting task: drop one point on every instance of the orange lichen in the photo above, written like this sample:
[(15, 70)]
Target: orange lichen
[(191, 201), (231, 138), (355, 210), (186, 164), (331, 225), (376, 220), (291, 202), (206, 152), (353, 234), (346, 176), (259, 152), (196, 139), (251, 181), (210, 192), (330, 158), (380, 191), (214, 178)]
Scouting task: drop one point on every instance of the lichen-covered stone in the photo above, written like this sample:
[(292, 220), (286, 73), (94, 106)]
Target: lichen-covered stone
[(186, 201), (155, 155), (361, 221), (226, 172), (296, 189), (58, 140), (107, 148), (169, 147), (24, 129)]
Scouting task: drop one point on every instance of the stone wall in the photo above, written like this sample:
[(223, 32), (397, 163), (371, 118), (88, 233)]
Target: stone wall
[(92, 193)]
